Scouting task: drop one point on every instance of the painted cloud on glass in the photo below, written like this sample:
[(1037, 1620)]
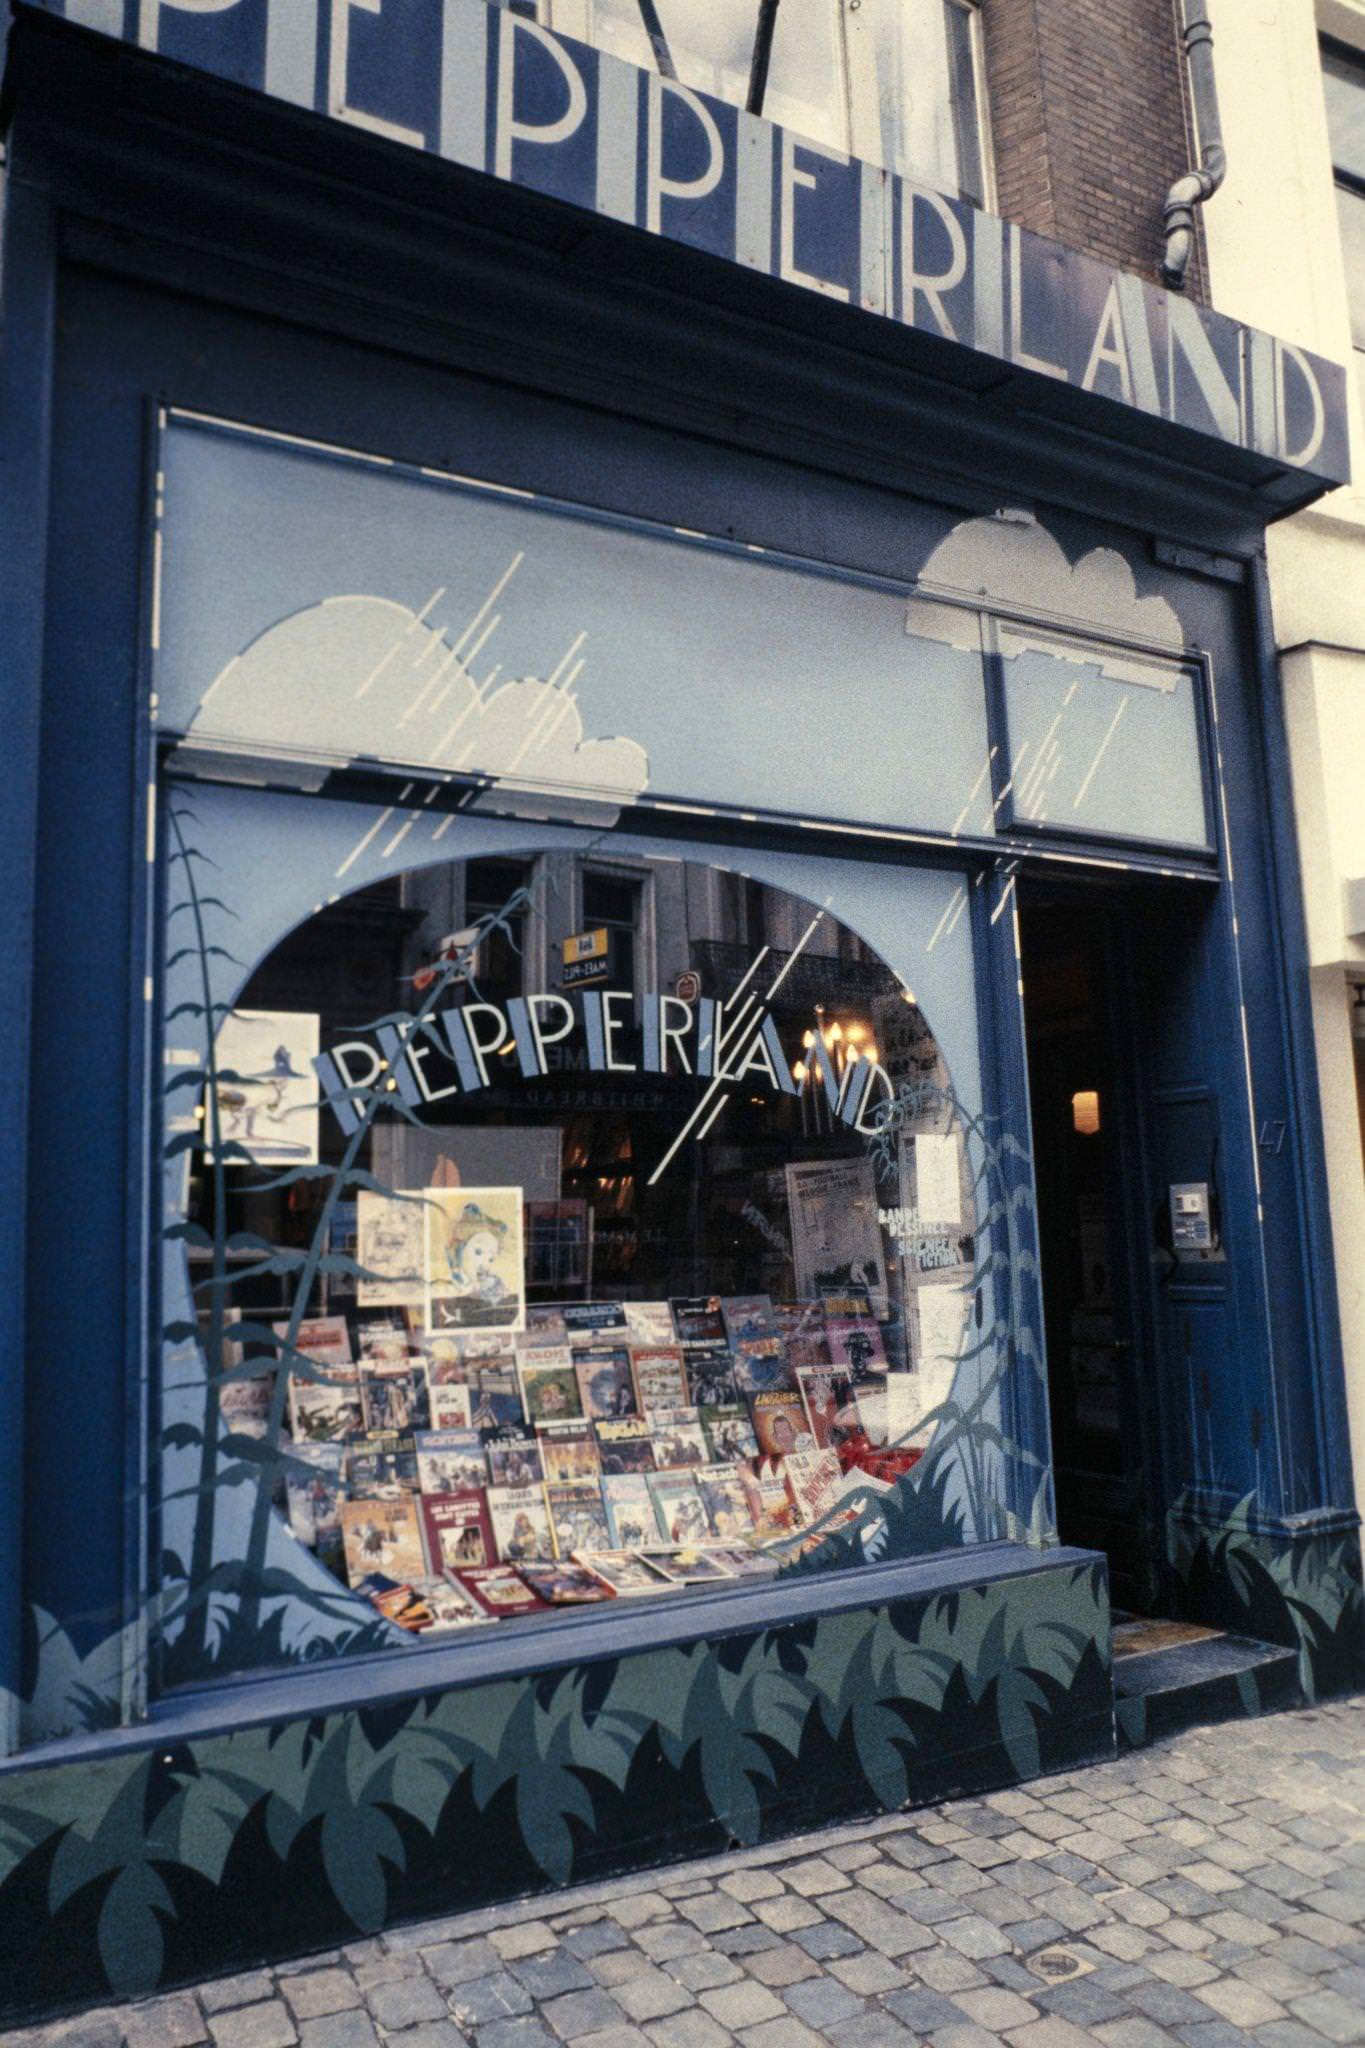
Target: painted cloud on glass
[(366, 679)]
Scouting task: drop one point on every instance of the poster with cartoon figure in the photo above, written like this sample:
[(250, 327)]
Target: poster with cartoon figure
[(474, 1259), (266, 1089)]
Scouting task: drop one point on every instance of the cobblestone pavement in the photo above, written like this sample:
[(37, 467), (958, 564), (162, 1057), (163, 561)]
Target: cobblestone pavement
[(1207, 1892)]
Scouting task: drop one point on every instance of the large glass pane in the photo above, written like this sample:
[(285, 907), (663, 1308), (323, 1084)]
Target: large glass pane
[(912, 69), (1102, 740), (1343, 81), (1351, 214), (321, 612), (664, 1265)]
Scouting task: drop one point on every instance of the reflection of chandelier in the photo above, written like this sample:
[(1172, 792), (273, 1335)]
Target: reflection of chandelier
[(844, 1045)]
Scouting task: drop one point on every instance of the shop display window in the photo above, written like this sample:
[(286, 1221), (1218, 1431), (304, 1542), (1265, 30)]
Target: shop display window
[(545, 1262)]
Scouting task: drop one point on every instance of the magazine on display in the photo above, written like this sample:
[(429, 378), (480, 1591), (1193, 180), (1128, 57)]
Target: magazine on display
[(450, 1406), (649, 1323), (322, 1411), (568, 1452), (495, 1402), (623, 1571), (577, 1517), (781, 1424), (629, 1507), (729, 1433), (725, 1501), (678, 1438), (549, 1385), (324, 1340), (761, 1365), (698, 1319), (451, 1605), (594, 1322), (450, 1460), (383, 1536), (660, 1380), (827, 1395), (678, 1507), (314, 1482), (544, 1325), (605, 1381), (395, 1396), (459, 1530), (625, 1444), (521, 1523), (711, 1377), (685, 1565), (771, 1507), (381, 1466), (514, 1461), (814, 1479), (743, 1563), (499, 1590), (855, 1341), (566, 1584), (801, 1326), (384, 1337)]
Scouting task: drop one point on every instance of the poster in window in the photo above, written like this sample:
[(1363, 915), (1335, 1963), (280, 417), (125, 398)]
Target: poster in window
[(389, 1251), (267, 1090), (836, 1234), (474, 1259)]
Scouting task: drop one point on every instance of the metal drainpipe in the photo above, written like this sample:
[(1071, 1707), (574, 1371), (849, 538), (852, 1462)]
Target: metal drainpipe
[(1193, 187)]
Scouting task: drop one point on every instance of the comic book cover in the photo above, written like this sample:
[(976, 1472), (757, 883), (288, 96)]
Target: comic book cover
[(771, 1507), (450, 1406), (514, 1461), (625, 1444), (827, 1396), (698, 1319), (549, 1385), (742, 1562), (729, 1433), (324, 1411), (449, 1605), (801, 1326), (521, 1523), (495, 1403), (450, 1460), (814, 1479), (855, 1341), (568, 1452), (545, 1324), (459, 1530), (382, 1536), (678, 1507), (629, 1506), (444, 1356), (565, 1584), (324, 1340), (385, 1336), (315, 1486), (761, 1365), (725, 1501), (678, 1438), (594, 1322), (650, 1323), (577, 1516), (402, 1605), (685, 1564), (381, 1465), (395, 1396), (605, 1381), (499, 1590), (710, 1372), (389, 1249), (780, 1424), (660, 1380), (626, 1573), (748, 1316)]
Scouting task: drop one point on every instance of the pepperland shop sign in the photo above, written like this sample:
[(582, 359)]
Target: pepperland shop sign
[(610, 1031), (490, 90)]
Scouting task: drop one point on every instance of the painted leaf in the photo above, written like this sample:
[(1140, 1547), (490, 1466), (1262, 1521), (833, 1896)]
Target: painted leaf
[(357, 1842), (131, 1942)]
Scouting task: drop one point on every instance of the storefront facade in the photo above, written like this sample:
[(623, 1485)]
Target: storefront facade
[(662, 953)]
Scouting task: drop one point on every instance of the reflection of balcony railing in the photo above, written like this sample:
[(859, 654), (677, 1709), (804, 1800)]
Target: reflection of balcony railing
[(815, 978)]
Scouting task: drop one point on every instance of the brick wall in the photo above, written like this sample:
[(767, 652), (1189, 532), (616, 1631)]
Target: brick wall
[(1088, 116)]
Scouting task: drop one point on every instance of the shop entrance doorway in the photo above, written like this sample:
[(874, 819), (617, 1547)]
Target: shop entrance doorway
[(1084, 1095)]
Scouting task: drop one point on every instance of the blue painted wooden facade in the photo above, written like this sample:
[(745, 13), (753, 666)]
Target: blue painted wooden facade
[(369, 247)]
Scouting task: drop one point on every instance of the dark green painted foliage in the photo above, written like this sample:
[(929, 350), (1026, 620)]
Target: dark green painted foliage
[(1305, 1594), (316, 1828)]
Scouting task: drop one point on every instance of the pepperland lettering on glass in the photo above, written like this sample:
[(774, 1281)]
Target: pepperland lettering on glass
[(613, 1031), (491, 90)]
